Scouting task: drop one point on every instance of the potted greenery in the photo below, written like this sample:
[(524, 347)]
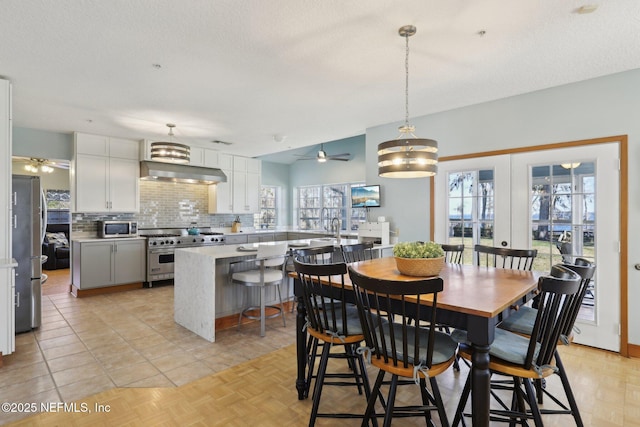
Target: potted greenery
[(419, 258)]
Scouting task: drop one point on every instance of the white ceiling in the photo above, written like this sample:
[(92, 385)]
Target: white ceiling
[(312, 71)]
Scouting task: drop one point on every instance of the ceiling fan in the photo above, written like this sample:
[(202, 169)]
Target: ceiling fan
[(35, 165), (322, 156)]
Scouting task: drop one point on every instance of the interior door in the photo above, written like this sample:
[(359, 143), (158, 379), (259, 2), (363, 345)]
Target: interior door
[(533, 201)]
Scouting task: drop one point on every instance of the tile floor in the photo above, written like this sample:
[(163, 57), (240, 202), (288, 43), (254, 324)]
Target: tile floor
[(129, 339)]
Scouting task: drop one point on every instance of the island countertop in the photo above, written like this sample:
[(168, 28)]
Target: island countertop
[(201, 289), (231, 251)]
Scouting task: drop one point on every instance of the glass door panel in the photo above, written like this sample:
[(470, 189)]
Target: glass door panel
[(573, 211), (471, 205)]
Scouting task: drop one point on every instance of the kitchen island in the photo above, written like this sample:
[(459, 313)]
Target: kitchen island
[(202, 291)]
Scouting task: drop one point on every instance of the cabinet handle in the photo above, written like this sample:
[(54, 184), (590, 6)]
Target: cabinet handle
[(17, 302)]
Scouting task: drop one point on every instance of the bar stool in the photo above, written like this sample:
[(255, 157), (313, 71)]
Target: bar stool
[(270, 260)]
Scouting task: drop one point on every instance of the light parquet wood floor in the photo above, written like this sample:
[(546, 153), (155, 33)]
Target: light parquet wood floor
[(261, 392)]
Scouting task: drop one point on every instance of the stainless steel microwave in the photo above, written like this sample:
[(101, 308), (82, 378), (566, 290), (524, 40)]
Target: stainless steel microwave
[(107, 229)]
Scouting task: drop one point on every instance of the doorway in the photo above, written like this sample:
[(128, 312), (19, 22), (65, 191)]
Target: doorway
[(564, 202)]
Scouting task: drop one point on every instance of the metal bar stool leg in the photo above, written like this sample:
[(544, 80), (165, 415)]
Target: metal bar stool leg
[(262, 311), (284, 322)]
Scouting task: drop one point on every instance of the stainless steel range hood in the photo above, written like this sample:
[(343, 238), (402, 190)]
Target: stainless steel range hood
[(173, 172)]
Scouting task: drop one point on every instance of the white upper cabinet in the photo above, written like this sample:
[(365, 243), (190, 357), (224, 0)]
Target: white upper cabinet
[(246, 185), (105, 174), (196, 156), (211, 158), (225, 161), (241, 192)]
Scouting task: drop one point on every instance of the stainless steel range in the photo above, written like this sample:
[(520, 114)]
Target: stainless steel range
[(161, 246)]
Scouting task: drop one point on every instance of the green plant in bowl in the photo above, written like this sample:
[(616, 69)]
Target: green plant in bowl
[(418, 250), (418, 258)]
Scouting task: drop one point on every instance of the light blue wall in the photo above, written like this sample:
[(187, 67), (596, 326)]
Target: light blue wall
[(600, 107), (43, 144), (310, 172)]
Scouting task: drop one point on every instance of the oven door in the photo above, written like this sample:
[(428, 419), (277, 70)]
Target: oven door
[(160, 264)]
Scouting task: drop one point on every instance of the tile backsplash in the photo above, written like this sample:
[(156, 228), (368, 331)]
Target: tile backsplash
[(166, 205)]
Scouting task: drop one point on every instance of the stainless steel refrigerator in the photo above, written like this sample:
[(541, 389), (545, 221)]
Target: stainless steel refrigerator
[(27, 233)]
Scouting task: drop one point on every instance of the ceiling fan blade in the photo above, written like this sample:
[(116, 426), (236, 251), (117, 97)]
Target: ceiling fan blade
[(342, 159), (340, 155)]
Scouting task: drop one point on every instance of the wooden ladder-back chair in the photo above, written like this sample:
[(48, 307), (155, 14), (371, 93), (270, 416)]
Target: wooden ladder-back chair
[(453, 253), (334, 323), (527, 359), (523, 321), (412, 354), (515, 259), (313, 255), (358, 252)]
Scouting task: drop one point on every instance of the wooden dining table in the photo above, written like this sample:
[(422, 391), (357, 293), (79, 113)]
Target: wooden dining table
[(474, 298)]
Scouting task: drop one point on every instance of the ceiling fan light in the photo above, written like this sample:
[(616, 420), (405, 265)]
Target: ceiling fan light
[(322, 156)]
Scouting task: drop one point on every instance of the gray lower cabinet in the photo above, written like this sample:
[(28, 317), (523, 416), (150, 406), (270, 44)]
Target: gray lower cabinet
[(299, 235), (236, 239), (279, 237), (108, 263), (263, 237)]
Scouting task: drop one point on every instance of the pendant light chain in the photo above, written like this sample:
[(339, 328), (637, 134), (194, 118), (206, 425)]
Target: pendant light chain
[(406, 85)]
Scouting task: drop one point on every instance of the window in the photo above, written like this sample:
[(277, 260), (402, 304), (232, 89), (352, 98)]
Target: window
[(318, 205), (471, 209), (58, 206), (268, 217)]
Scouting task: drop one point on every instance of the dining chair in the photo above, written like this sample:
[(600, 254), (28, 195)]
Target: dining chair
[(515, 259), (410, 353), (270, 261), (523, 321), (357, 252), (333, 323), (453, 253), (314, 255), (526, 358)]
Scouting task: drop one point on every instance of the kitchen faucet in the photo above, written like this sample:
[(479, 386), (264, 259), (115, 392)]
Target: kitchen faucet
[(335, 221), (323, 212)]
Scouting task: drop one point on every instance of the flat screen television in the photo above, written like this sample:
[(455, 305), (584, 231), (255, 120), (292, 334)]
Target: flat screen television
[(366, 196)]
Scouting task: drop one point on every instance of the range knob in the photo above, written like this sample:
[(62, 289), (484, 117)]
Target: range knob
[(162, 242), (202, 240), (171, 242), (153, 243), (195, 240)]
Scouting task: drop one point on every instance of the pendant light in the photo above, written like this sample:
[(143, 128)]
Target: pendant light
[(169, 151), (407, 156)]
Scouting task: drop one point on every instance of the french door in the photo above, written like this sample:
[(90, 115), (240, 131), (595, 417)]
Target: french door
[(563, 202)]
